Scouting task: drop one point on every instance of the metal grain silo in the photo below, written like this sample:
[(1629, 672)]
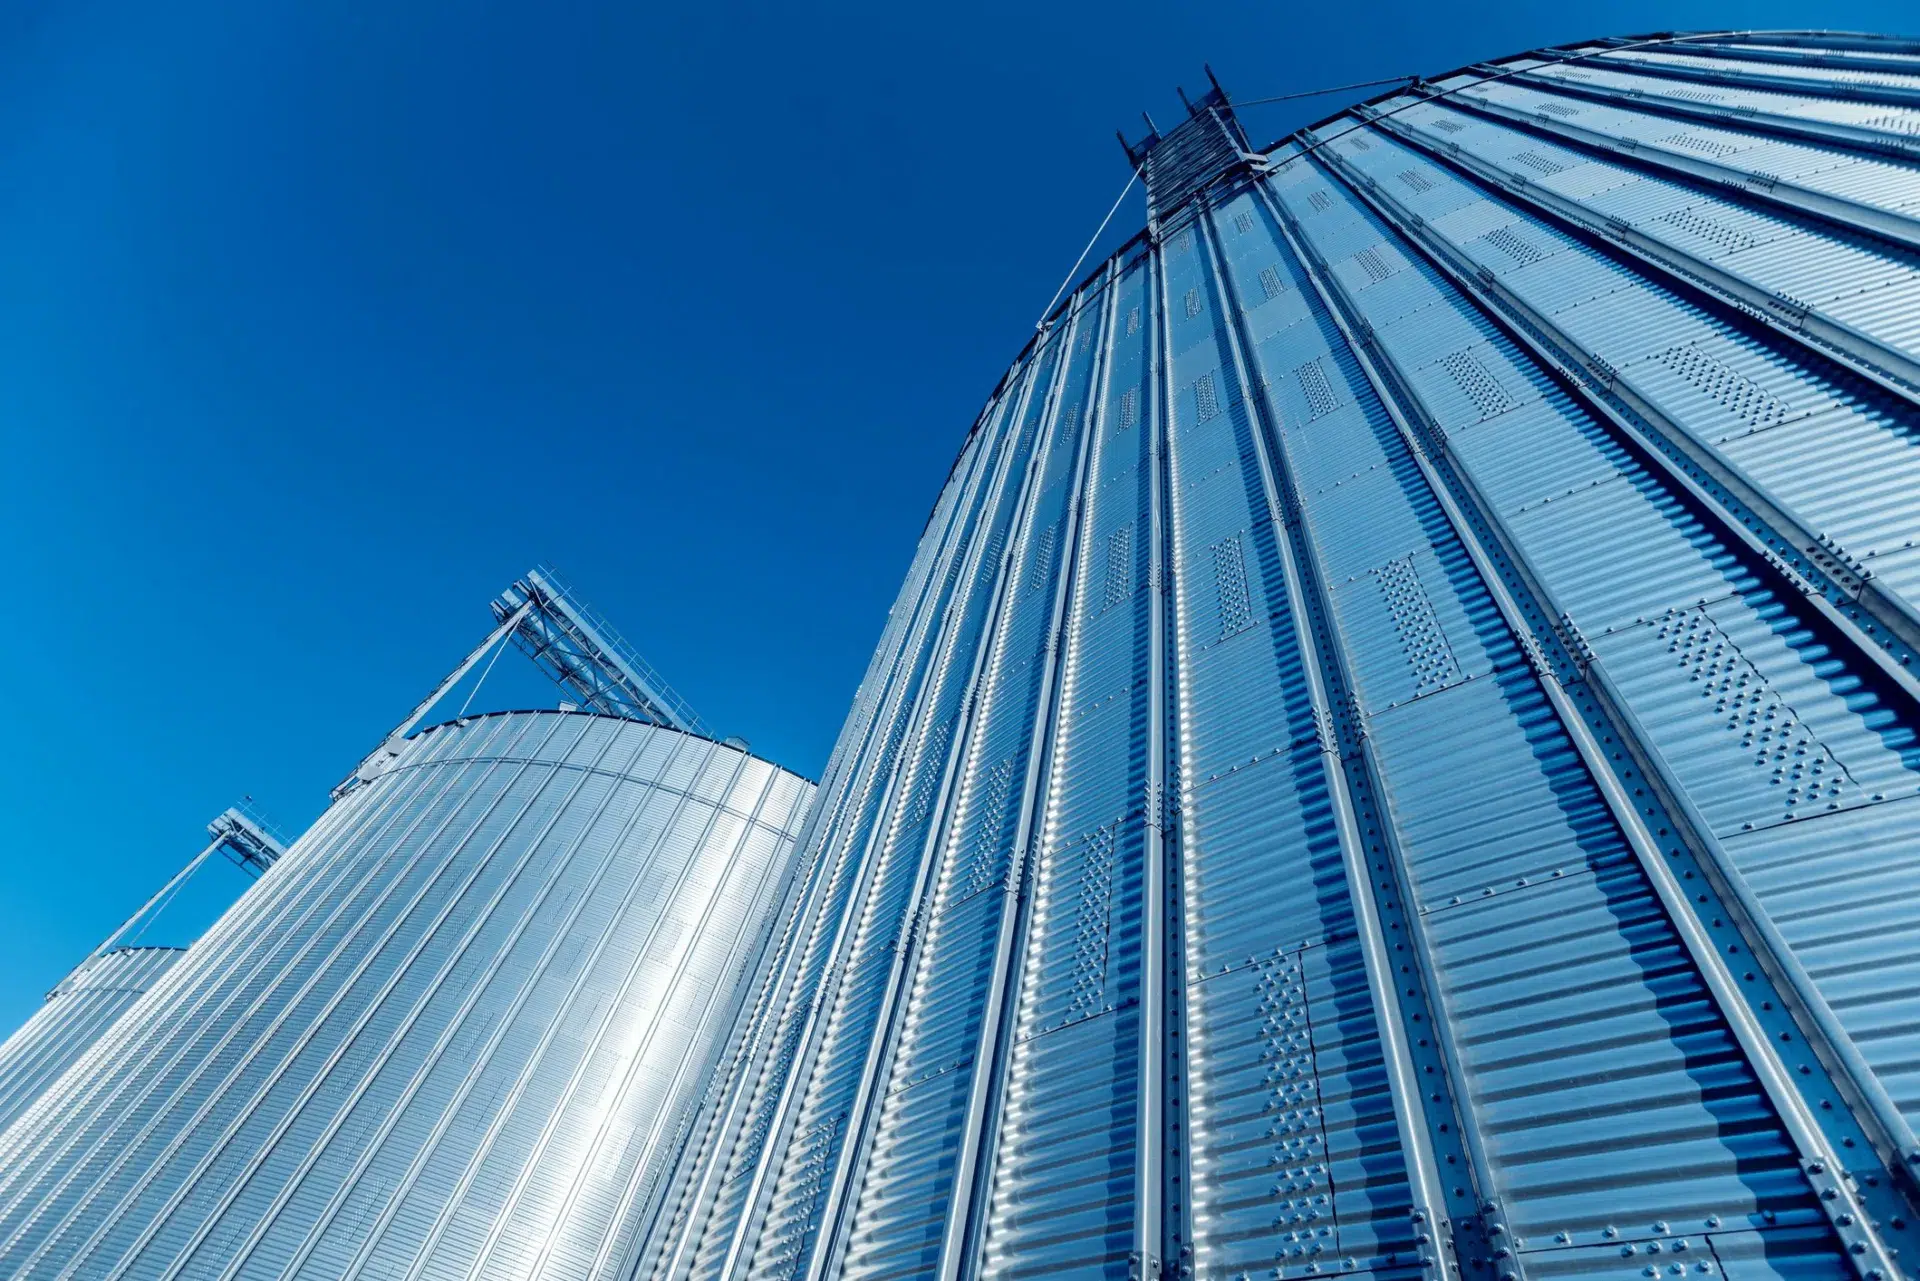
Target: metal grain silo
[(1399, 751), (77, 1011), (88, 1001), (454, 1032)]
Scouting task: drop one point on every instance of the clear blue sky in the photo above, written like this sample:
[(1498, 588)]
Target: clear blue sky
[(323, 321)]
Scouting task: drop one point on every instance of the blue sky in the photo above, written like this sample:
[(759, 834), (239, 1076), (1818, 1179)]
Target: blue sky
[(321, 322)]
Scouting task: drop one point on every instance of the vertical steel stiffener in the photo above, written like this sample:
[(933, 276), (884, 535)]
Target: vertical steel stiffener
[(1400, 750)]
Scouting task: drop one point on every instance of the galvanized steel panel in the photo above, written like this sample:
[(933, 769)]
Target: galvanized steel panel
[(1837, 452)]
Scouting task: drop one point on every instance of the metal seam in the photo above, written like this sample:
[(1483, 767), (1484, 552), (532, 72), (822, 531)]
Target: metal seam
[(1351, 769)]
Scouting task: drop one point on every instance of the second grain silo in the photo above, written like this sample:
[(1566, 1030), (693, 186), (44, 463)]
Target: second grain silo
[(459, 1029)]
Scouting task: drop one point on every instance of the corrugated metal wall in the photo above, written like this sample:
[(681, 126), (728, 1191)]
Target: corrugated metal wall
[(459, 1030), (1397, 753), (79, 1010)]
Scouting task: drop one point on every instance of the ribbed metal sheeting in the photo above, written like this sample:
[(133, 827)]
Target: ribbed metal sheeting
[(80, 1008), (457, 1032), (1397, 754)]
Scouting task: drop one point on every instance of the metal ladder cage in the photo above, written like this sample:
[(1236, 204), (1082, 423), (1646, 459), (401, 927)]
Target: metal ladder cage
[(1189, 156)]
